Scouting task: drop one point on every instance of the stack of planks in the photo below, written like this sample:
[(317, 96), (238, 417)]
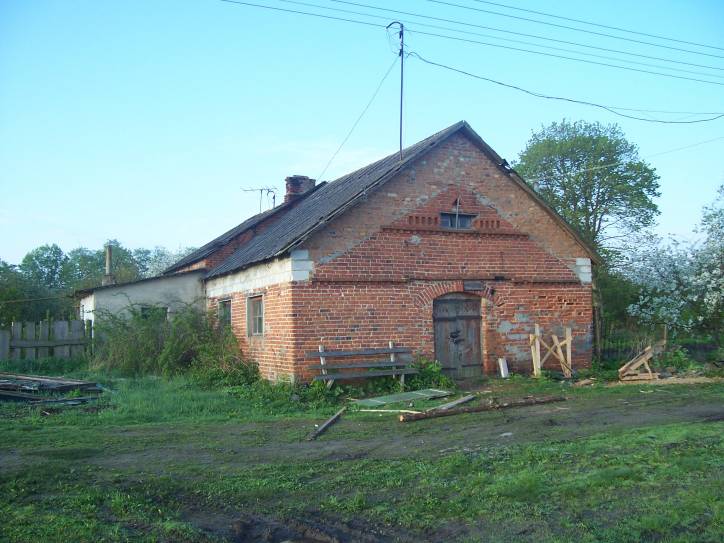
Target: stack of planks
[(633, 369)]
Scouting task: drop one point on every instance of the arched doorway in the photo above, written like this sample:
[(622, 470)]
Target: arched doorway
[(458, 345)]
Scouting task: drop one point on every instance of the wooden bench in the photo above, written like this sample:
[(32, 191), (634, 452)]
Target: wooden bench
[(397, 363)]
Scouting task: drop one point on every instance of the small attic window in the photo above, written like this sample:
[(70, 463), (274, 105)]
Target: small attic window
[(457, 221)]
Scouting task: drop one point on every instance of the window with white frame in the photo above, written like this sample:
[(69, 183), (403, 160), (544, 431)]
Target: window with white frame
[(255, 316)]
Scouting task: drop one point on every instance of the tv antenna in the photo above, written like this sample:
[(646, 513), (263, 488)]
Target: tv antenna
[(262, 191)]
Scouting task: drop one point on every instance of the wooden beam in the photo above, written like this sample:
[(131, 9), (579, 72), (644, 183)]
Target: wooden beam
[(329, 422), (492, 406)]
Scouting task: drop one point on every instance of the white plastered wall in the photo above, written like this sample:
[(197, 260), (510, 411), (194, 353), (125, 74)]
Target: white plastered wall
[(172, 291), (296, 267)]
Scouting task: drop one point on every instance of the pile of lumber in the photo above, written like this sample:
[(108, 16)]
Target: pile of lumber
[(638, 369), (38, 383), (35, 389)]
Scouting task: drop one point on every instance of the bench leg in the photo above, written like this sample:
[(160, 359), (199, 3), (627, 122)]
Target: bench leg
[(330, 382)]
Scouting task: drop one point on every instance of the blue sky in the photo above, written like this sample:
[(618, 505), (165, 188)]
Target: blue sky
[(143, 120)]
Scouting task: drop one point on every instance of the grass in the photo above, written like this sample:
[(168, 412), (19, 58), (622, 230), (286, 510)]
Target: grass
[(158, 455)]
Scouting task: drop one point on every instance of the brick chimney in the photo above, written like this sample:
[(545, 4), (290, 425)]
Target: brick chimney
[(298, 185), (108, 277)]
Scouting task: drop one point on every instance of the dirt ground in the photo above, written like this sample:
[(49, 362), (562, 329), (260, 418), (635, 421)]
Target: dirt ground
[(158, 448)]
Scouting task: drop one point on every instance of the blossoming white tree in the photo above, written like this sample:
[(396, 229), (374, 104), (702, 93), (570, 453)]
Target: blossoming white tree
[(683, 285)]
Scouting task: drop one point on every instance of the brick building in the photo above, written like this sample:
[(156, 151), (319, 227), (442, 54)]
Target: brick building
[(446, 251)]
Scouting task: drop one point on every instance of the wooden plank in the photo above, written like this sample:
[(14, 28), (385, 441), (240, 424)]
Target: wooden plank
[(17, 331), (360, 352), (4, 344), (364, 374), (323, 428), (60, 333), (640, 377), (492, 406), (559, 355), (363, 364), (30, 352), (77, 333), (454, 403), (43, 335), (47, 343), (43, 378), (569, 347), (388, 411)]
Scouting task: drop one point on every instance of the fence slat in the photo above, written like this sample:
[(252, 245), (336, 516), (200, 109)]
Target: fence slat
[(30, 336), (17, 331), (76, 332), (43, 335), (4, 344), (60, 332)]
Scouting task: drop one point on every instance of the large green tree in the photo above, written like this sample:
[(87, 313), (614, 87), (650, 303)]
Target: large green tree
[(43, 266), (594, 178)]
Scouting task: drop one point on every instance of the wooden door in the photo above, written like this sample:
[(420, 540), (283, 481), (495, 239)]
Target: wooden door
[(456, 318)]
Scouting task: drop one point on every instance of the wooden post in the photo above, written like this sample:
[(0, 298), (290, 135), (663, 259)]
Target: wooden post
[(322, 362), (17, 330), (537, 370), (569, 347), (392, 360), (60, 332), (30, 336), (43, 335), (88, 333), (4, 344)]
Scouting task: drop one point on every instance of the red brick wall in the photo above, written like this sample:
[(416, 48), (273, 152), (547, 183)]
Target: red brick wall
[(274, 350), (379, 267), (342, 315)]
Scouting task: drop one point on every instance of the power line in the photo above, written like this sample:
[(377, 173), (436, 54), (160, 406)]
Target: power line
[(362, 114), (298, 12), (598, 24), (674, 76), (452, 4), (297, 2), (502, 30), (563, 99), (477, 42), (613, 164)]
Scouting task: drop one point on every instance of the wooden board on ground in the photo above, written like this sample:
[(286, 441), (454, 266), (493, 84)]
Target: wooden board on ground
[(329, 422), (491, 406), (425, 394)]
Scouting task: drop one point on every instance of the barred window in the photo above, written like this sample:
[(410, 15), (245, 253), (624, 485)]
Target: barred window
[(458, 221)]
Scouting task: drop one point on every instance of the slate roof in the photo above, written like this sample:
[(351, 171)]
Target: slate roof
[(226, 237), (329, 200)]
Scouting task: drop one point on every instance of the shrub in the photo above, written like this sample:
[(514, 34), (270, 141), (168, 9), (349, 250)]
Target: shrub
[(678, 358), (430, 375), (139, 342)]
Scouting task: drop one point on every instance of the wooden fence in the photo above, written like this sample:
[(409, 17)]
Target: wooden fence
[(30, 340)]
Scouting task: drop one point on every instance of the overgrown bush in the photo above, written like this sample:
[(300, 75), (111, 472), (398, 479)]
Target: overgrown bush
[(678, 358), (143, 340), (430, 376)]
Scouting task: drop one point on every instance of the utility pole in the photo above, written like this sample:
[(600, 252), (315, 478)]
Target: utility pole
[(402, 72)]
